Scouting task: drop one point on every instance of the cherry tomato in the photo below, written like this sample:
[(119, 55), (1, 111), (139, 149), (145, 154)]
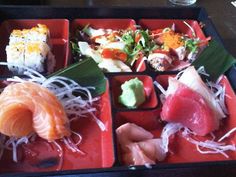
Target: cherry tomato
[(115, 54), (137, 37)]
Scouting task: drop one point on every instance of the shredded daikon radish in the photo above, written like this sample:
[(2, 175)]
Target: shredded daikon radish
[(72, 145), (61, 155), (212, 146), (80, 138), (12, 143), (179, 74), (189, 26), (168, 130), (219, 94), (159, 86), (227, 134), (140, 64), (201, 70), (213, 136)]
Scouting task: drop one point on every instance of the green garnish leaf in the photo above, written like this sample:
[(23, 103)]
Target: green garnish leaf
[(215, 59), (128, 38), (191, 45), (87, 74), (86, 30), (75, 48), (145, 36)]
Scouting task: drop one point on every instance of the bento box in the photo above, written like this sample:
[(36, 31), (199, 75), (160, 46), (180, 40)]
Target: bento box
[(101, 152)]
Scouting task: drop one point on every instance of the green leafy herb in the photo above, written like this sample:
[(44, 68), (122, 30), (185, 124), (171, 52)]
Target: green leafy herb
[(134, 48), (87, 74), (75, 48), (191, 45), (215, 59), (86, 30), (128, 38)]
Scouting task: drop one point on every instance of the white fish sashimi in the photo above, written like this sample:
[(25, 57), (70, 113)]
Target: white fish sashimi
[(85, 49), (130, 132), (138, 146), (168, 130), (191, 78), (153, 148), (181, 52), (173, 85), (135, 156), (114, 66), (115, 45), (95, 32), (102, 40)]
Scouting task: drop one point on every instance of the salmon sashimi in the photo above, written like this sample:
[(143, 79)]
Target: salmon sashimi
[(29, 107), (138, 145)]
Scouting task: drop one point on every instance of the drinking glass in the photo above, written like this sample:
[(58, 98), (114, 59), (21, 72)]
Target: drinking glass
[(183, 2)]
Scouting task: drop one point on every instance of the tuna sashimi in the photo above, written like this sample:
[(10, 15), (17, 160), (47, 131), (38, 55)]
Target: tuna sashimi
[(190, 102), (190, 109)]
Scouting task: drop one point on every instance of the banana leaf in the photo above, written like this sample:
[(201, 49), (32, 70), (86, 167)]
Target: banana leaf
[(215, 59), (87, 74)]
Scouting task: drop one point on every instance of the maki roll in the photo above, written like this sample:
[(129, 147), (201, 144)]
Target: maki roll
[(15, 55), (39, 57), (31, 48)]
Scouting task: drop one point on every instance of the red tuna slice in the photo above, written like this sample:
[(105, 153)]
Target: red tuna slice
[(190, 109)]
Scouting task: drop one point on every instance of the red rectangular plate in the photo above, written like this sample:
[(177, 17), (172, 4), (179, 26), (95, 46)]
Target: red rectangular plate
[(96, 144)]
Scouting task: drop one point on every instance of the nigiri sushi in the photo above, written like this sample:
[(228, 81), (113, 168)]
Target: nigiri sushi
[(31, 48)]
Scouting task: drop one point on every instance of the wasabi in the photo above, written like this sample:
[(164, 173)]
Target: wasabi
[(133, 93)]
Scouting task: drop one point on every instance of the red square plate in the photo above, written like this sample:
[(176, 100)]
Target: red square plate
[(59, 37), (180, 27), (114, 24), (151, 99), (184, 152)]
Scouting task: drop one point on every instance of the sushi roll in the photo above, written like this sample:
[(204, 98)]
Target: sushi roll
[(39, 57), (17, 36), (39, 33), (31, 48), (15, 55)]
